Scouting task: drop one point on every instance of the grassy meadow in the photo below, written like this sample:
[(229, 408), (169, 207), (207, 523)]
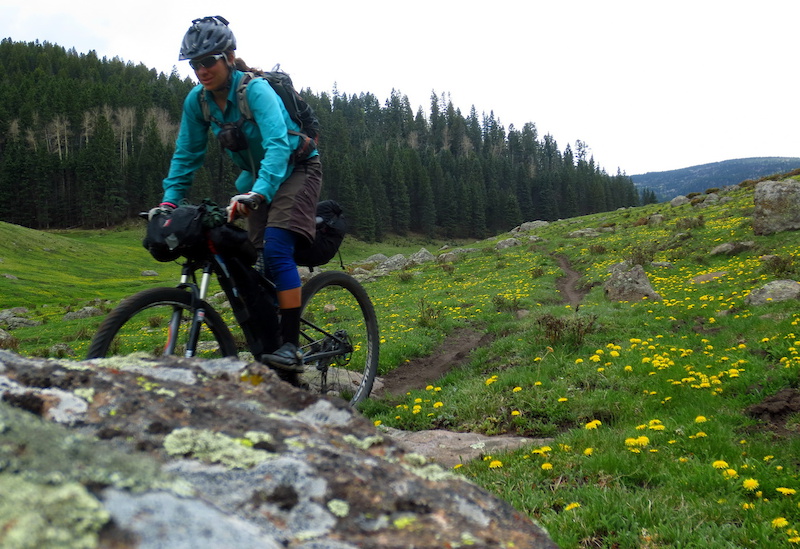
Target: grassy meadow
[(646, 402)]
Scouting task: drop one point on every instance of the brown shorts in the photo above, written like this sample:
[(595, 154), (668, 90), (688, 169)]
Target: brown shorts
[(294, 206)]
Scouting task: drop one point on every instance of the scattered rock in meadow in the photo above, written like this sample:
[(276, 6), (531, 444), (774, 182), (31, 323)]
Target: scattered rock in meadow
[(773, 292), (777, 206), (84, 312), (629, 285)]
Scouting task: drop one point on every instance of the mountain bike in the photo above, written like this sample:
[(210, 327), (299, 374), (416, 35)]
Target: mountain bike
[(339, 337)]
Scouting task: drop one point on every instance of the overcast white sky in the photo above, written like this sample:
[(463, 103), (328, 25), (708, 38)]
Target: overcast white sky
[(649, 86)]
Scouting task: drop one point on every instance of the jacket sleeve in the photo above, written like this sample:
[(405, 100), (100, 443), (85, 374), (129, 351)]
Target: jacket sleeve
[(273, 124), (190, 149)]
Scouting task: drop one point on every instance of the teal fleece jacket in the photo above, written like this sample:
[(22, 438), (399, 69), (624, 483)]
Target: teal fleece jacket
[(265, 163)]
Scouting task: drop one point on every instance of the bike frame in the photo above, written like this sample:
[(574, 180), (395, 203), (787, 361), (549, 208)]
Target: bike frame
[(254, 334)]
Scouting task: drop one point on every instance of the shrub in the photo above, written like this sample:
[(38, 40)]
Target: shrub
[(641, 255), (780, 266), (566, 330), (428, 314), (597, 249), (11, 343), (502, 303)]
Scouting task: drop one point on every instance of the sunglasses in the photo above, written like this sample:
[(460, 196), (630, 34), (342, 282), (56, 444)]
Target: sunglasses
[(206, 62)]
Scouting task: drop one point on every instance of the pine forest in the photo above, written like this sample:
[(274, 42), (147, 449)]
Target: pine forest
[(86, 141)]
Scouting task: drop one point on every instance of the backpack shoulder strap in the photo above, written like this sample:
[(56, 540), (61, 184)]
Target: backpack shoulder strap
[(204, 105), (241, 95), (241, 99)]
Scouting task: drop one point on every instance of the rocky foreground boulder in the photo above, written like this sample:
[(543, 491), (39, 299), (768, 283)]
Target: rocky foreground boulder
[(138, 453)]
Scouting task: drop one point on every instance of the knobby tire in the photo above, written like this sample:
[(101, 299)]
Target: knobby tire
[(103, 341), (321, 291)]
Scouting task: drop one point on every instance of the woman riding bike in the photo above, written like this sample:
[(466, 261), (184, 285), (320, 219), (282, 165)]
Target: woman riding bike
[(277, 195)]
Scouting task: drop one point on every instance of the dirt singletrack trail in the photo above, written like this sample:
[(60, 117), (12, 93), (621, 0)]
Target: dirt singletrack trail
[(449, 448), (418, 373), (568, 284), (454, 351)]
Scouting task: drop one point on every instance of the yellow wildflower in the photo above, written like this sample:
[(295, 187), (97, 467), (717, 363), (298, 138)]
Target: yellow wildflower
[(750, 484), (780, 522)]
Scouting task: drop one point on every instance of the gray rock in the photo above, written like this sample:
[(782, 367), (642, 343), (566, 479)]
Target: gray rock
[(376, 259), (422, 256), (777, 206), (629, 285), (162, 519), (530, 226), (85, 312), (679, 200), (507, 243), (394, 263), (584, 233), (774, 292), (222, 462)]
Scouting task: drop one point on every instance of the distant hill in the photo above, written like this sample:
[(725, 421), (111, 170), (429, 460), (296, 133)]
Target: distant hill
[(670, 184)]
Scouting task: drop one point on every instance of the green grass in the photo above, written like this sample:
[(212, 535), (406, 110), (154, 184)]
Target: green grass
[(645, 402)]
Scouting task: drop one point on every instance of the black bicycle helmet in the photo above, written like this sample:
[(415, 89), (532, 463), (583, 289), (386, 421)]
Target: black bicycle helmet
[(207, 35)]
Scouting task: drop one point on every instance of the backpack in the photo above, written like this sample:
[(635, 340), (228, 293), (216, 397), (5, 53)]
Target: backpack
[(331, 228), (299, 110)]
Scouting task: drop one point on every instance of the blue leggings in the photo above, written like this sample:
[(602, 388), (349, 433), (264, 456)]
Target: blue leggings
[(279, 258)]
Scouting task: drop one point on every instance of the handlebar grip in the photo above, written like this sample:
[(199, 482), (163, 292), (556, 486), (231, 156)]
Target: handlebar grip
[(252, 202)]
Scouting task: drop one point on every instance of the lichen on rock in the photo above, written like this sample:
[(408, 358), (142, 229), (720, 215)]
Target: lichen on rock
[(213, 448), (37, 516)]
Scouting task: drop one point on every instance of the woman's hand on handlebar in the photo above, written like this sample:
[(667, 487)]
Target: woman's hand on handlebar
[(163, 208), (241, 204)]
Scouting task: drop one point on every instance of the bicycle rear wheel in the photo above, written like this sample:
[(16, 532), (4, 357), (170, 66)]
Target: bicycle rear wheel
[(157, 321), (339, 337)]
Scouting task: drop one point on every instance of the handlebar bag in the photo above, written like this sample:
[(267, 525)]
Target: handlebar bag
[(172, 234)]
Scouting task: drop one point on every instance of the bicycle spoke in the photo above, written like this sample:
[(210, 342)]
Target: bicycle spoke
[(339, 337)]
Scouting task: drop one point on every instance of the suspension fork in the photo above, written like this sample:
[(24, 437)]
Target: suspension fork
[(199, 294)]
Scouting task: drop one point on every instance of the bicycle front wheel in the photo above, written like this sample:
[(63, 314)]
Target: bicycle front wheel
[(158, 322), (339, 337)]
